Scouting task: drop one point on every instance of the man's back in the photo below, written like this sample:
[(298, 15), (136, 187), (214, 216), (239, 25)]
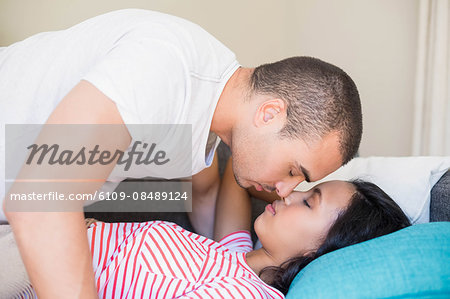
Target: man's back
[(156, 68)]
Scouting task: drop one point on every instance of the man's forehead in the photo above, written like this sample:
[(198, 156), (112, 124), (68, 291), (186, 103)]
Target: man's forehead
[(319, 158), (314, 168)]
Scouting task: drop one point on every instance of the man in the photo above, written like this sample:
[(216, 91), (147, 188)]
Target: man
[(294, 120)]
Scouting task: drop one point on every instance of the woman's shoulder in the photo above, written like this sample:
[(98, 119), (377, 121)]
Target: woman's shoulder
[(239, 241)]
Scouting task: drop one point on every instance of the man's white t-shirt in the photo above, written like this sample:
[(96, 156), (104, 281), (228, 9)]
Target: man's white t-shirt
[(157, 68)]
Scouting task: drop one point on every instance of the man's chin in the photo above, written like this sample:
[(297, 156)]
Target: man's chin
[(240, 183)]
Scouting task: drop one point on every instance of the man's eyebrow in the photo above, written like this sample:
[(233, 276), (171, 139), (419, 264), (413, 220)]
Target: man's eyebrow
[(306, 174)]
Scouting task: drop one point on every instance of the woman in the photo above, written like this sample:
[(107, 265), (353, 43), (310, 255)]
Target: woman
[(162, 260)]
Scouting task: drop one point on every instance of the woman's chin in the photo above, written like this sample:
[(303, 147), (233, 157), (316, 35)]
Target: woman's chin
[(256, 224)]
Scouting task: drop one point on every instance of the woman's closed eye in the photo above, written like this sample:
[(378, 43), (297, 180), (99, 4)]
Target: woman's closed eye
[(305, 202), (316, 194)]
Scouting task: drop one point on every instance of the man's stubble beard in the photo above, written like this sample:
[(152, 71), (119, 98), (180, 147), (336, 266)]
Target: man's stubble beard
[(239, 182), (240, 147), (236, 170)]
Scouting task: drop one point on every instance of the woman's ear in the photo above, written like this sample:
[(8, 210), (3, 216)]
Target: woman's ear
[(309, 253)]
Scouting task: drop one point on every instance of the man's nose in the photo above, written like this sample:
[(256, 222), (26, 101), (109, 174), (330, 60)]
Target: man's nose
[(284, 188)]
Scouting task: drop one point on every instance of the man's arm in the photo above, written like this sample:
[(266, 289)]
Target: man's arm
[(54, 245), (233, 206), (205, 188)]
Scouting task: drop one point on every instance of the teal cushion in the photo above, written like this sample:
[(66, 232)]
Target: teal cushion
[(412, 262)]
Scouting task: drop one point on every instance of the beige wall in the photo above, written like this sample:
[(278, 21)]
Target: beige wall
[(373, 40)]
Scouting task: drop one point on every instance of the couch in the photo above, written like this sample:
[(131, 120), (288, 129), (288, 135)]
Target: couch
[(413, 262)]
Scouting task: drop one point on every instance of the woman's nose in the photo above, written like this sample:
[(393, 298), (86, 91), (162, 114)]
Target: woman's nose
[(293, 197)]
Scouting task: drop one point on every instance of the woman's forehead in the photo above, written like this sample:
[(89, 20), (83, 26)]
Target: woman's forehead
[(337, 192)]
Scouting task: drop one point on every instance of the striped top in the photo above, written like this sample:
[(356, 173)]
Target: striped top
[(160, 259)]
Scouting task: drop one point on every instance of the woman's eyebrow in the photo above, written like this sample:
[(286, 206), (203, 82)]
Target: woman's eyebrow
[(317, 191)]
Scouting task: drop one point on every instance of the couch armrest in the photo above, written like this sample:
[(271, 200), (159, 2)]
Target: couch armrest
[(440, 199)]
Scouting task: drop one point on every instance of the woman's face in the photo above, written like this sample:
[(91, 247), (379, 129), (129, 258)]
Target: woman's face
[(297, 225)]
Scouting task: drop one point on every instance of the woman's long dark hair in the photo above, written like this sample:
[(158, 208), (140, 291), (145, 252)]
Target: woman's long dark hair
[(371, 213)]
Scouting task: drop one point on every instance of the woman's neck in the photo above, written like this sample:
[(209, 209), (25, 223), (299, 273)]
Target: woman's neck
[(259, 259)]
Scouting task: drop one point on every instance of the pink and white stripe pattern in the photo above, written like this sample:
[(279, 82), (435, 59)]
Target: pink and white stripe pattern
[(162, 260)]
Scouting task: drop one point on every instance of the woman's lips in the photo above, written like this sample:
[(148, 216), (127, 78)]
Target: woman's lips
[(258, 187), (271, 209)]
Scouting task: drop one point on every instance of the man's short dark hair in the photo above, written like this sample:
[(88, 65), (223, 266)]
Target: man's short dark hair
[(321, 98)]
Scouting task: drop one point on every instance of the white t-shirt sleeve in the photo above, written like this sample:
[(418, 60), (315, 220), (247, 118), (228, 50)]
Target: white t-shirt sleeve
[(145, 78)]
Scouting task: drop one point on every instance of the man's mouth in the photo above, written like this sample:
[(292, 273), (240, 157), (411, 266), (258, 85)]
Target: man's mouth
[(260, 187)]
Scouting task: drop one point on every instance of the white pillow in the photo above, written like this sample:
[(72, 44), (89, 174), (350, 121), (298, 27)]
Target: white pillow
[(408, 180)]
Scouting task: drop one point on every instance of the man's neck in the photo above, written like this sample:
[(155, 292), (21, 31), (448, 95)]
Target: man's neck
[(229, 105)]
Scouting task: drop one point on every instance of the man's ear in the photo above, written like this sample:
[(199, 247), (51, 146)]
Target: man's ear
[(269, 111)]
